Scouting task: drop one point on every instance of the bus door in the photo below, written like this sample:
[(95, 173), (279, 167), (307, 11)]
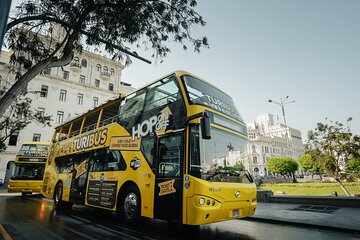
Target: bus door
[(169, 172), (79, 177)]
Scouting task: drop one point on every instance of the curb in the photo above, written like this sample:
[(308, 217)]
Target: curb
[(6, 194), (309, 225)]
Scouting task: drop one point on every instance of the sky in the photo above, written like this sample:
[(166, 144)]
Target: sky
[(259, 50)]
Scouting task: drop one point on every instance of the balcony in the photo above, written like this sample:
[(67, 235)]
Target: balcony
[(105, 75), (75, 66)]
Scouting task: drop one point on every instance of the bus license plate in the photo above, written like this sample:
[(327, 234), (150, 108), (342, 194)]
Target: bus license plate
[(236, 213)]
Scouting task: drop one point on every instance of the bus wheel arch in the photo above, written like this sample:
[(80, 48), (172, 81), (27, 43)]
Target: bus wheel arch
[(129, 203)]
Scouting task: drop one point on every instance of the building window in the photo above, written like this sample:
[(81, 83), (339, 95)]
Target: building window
[(80, 98), (0, 80), (105, 68), (84, 63), (47, 71), (98, 67), (13, 138), (41, 111), (255, 160), (82, 79), (36, 137), (76, 59), (112, 72), (62, 96), (253, 148), (66, 75), (44, 91), (111, 87), (97, 83), (96, 101), (60, 117)]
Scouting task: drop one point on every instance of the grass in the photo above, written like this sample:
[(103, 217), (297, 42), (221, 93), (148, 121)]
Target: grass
[(311, 189)]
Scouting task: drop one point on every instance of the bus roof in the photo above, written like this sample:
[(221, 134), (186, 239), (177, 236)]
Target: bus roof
[(121, 96), (181, 73)]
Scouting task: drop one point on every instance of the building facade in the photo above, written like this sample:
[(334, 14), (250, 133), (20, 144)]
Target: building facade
[(63, 93), (270, 139)]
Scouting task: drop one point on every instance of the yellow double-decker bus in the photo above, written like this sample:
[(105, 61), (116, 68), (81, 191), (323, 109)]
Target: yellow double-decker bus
[(29, 168), (164, 151)]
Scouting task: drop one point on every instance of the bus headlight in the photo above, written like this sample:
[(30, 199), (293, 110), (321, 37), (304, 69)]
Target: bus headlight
[(201, 201)]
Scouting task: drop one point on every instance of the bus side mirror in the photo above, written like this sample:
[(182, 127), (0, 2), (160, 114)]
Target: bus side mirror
[(205, 126)]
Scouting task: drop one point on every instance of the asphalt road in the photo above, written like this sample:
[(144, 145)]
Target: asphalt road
[(35, 218)]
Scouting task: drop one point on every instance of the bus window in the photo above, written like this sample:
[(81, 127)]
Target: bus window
[(148, 149), (75, 130), (110, 114), (114, 161), (161, 93), (90, 122), (132, 105), (107, 160), (170, 156), (64, 132)]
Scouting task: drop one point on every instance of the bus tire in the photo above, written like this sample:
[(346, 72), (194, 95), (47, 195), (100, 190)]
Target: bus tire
[(58, 202), (130, 205)]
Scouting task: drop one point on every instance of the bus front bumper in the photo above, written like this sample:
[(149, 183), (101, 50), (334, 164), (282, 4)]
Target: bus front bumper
[(208, 213), (23, 188)]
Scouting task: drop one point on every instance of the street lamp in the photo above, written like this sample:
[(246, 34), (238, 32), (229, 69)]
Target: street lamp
[(282, 103)]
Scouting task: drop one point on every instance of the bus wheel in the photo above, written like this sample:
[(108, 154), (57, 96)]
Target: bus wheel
[(58, 202), (129, 205)]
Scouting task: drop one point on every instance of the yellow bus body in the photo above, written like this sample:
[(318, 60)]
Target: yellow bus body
[(28, 186), (222, 200)]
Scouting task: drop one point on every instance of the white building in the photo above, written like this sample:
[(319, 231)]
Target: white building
[(269, 139), (88, 81)]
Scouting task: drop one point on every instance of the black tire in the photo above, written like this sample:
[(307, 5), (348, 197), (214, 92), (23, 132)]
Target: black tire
[(58, 202), (129, 205)]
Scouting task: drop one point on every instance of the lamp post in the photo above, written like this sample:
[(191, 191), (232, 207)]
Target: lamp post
[(282, 103)]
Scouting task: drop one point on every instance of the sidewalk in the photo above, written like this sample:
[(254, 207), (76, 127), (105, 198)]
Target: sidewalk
[(4, 192), (339, 218)]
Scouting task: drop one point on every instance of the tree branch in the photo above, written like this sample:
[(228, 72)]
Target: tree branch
[(52, 19)]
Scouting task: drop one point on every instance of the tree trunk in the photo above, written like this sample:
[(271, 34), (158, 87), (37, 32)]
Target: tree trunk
[(20, 84), (320, 176), (10, 96), (342, 187)]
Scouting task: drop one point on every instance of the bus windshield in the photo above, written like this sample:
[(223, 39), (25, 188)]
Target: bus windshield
[(28, 172), (33, 150), (215, 159), (202, 93)]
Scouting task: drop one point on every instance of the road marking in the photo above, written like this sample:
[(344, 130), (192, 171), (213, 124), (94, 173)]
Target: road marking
[(4, 233)]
